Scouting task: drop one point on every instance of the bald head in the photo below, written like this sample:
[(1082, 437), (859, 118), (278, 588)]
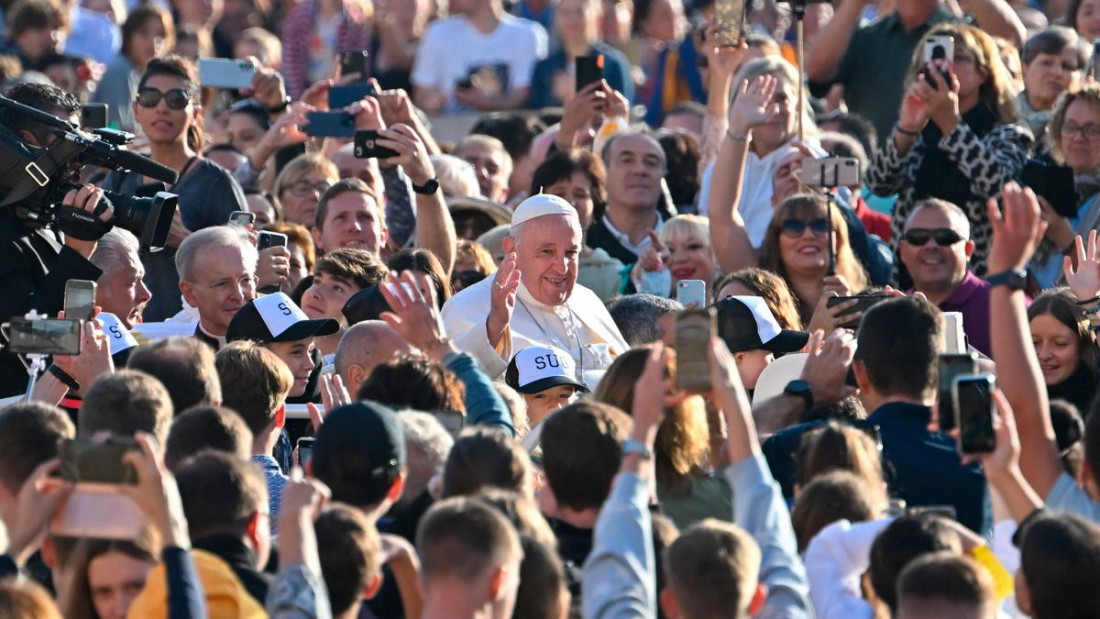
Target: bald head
[(364, 347)]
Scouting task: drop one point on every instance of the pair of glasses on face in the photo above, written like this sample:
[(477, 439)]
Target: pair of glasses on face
[(795, 228), (943, 237), (176, 98), (302, 189)]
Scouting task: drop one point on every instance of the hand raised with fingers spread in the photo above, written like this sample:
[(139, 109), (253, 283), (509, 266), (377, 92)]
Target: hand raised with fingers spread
[(414, 314), (753, 105), (505, 288), (412, 155), (1018, 232), (1084, 280), (827, 368), (333, 395)]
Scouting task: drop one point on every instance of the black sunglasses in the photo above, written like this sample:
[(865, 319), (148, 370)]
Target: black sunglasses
[(942, 236), (176, 98), (796, 227)]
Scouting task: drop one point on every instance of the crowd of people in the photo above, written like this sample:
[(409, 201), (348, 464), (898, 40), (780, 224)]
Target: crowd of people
[(674, 342)]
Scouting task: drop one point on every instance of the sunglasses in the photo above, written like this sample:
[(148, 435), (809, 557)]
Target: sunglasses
[(176, 98), (942, 236), (797, 227)]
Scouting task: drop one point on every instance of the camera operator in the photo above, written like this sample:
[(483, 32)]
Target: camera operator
[(34, 265)]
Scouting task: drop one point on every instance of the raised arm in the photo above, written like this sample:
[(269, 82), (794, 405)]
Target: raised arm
[(824, 58), (997, 18)]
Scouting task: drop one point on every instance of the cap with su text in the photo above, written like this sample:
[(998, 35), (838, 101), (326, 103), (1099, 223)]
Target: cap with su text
[(538, 368), (275, 318)]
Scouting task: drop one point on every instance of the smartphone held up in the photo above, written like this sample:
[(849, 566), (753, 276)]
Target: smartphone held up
[(974, 410), (694, 330)]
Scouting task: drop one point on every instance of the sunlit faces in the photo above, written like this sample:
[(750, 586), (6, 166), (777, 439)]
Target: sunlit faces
[(298, 265), (932, 266), (121, 289), (634, 170), (326, 297), (785, 179), (261, 207), (690, 257), (1088, 19), (542, 404), (665, 21), (298, 356), (1056, 345), (971, 76), (220, 285), (352, 219), (576, 190), (547, 250), (114, 580), (34, 43), (243, 131), (575, 20), (148, 42), (299, 198), (162, 124), (780, 127), (493, 167), (750, 364), (1049, 75), (805, 252), (1081, 152)]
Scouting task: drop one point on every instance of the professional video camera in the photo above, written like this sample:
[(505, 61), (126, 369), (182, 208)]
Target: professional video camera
[(34, 179)]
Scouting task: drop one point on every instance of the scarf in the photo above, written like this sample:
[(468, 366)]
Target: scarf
[(938, 176)]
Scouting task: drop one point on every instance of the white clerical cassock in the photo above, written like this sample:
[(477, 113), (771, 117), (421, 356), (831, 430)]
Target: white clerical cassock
[(580, 326)]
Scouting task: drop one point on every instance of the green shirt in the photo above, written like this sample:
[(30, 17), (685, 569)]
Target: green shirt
[(709, 496), (873, 69)]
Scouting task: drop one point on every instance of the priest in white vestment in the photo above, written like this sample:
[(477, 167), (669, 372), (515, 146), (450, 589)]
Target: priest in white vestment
[(534, 298)]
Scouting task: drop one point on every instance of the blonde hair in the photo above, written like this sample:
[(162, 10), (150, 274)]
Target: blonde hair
[(686, 226), (787, 75), (839, 447), (997, 92), (302, 165), (1089, 93)]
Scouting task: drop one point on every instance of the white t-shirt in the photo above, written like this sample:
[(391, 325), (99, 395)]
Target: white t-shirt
[(452, 49)]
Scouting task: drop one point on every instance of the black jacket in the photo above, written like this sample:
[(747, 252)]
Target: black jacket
[(34, 268)]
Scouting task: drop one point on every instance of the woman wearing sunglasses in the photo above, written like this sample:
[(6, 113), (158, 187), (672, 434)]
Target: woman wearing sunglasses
[(168, 110), (148, 32), (956, 137)]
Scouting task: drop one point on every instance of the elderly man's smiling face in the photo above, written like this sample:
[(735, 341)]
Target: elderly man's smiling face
[(547, 250)]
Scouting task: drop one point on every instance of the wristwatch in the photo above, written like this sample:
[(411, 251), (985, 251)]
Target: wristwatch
[(801, 389), (1015, 279), (429, 187), (634, 446), (280, 107)]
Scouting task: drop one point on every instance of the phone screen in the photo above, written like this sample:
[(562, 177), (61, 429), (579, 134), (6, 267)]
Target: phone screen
[(79, 299), (951, 367), (242, 218), (83, 460), (692, 293), (305, 450), (974, 414), (694, 329), (45, 336)]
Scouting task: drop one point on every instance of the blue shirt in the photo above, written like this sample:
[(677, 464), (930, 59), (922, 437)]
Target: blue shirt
[(276, 483)]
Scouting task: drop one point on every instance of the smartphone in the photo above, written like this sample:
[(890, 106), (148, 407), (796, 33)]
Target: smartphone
[(270, 239), (330, 125), (79, 299), (830, 172), (954, 341), (944, 511), (44, 336), (1094, 62), (692, 293), (345, 94), (98, 511), (85, 460), (304, 447), (366, 147), (589, 69), (864, 302), (354, 62), (973, 396), (730, 20), (225, 73), (1054, 183), (241, 218), (951, 366), (694, 330), (939, 53), (93, 115)]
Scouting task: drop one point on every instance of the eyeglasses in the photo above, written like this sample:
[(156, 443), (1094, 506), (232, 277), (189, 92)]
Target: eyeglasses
[(1088, 132), (795, 228), (302, 189), (176, 98), (942, 236)]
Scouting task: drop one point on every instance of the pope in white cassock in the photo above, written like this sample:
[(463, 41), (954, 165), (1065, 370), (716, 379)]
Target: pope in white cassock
[(534, 298)]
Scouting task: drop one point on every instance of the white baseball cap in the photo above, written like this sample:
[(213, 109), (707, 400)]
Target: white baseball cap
[(538, 368), (541, 205)]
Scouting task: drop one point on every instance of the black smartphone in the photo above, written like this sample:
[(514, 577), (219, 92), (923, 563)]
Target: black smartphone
[(270, 239), (84, 460), (1056, 184), (44, 336), (93, 116), (974, 413), (694, 330), (79, 299), (354, 62), (951, 366), (589, 69), (366, 146), (864, 302), (330, 125), (305, 450), (345, 94)]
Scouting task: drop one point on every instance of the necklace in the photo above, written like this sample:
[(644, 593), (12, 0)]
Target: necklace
[(572, 326)]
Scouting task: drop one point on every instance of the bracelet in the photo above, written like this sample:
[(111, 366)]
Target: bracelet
[(738, 137), (1087, 301), (1017, 537), (64, 377), (907, 132)]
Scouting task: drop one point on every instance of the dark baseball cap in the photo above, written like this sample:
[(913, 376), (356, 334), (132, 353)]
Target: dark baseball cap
[(364, 436), (746, 323), (367, 304), (275, 318)]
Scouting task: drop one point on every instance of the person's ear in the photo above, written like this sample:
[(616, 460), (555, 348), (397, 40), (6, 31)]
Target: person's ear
[(385, 236), (860, 370), (509, 244), (738, 357), (1023, 593), (968, 249), (315, 232), (397, 488), (188, 292), (497, 582), (669, 603), (357, 375), (759, 596), (280, 416), (253, 529), (49, 553), (372, 587)]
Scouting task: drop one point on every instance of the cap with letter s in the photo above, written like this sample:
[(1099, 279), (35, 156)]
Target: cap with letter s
[(276, 318), (538, 368)]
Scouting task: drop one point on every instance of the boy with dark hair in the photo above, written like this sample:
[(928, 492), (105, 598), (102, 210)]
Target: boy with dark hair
[(351, 558), (225, 502), (337, 276), (124, 403), (261, 383), (1060, 568), (470, 556), (903, 540), (943, 585), (206, 427), (185, 366)]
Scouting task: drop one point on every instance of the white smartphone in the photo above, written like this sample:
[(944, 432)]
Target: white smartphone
[(939, 50), (79, 299), (954, 338), (692, 293), (225, 73), (241, 218), (831, 172)]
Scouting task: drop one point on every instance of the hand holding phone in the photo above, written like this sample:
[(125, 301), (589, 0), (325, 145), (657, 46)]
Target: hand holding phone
[(973, 398), (951, 366), (330, 124), (692, 293), (226, 73), (270, 239), (589, 69), (354, 64), (366, 146), (44, 336), (79, 299)]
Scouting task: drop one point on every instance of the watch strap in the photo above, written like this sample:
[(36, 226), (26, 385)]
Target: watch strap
[(280, 107), (1015, 279), (801, 389), (64, 377), (429, 187), (634, 446)]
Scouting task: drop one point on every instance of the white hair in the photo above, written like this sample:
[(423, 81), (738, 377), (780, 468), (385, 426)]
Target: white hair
[(457, 178), (114, 247), (208, 238)]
